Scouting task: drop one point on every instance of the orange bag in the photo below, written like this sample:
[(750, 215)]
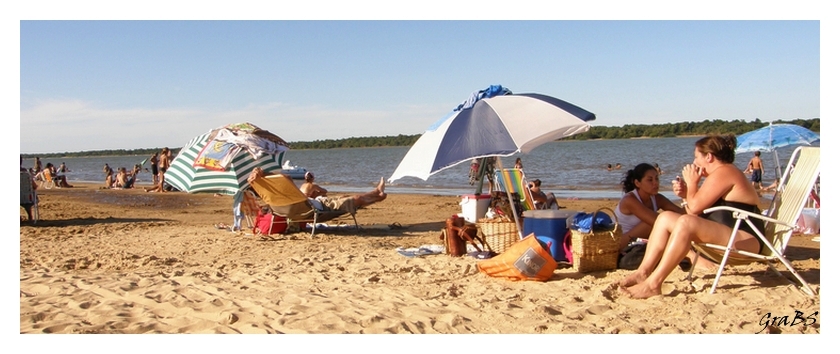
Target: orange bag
[(524, 260)]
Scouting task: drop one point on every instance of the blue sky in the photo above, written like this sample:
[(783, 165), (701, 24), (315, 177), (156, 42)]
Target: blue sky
[(92, 85)]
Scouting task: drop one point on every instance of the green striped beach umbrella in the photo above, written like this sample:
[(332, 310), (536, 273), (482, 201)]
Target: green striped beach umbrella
[(221, 160)]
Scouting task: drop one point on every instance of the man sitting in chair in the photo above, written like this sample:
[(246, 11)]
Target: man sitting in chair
[(309, 188), (345, 203), (542, 200)]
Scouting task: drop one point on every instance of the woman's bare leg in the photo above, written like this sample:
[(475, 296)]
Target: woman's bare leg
[(657, 241), (689, 228), (674, 252)]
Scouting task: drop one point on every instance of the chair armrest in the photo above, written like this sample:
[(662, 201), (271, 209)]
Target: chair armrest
[(736, 211)]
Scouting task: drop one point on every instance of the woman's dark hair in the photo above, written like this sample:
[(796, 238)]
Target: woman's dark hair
[(721, 147), (635, 174)]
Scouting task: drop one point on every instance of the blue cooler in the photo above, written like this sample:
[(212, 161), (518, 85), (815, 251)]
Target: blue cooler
[(548, 226)]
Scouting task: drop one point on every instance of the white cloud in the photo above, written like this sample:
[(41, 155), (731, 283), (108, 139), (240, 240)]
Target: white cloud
[(75, 125)]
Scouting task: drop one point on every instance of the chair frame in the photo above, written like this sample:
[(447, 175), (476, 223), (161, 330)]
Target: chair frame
[(779, 230)]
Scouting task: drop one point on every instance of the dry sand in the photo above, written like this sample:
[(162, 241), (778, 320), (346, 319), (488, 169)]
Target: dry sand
[(113, 261)]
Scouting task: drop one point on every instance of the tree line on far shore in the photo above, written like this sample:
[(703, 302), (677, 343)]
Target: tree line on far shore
[(628, 131)]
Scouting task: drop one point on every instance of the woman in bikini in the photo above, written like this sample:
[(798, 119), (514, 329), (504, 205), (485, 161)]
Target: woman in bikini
[(672, 234)]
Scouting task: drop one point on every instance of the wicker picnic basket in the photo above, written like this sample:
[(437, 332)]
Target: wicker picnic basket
[(598, 249), (499, 234)]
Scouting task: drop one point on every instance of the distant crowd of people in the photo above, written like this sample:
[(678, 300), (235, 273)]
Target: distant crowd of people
[(49, 173)]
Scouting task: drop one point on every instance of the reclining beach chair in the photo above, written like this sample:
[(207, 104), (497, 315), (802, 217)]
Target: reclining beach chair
[(286, 200), (28, 197), (781, 220), (512, 180)]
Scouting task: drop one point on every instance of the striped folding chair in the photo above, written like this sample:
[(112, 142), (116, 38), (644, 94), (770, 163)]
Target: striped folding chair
[(513, 181)]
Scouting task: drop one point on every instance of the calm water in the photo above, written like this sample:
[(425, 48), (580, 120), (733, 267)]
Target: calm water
[(567, 168)]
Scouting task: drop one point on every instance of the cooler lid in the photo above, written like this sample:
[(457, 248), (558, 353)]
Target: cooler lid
[(473, 196), (549, 214)]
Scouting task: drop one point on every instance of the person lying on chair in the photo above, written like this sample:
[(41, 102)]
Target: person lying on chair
[(337, 203)]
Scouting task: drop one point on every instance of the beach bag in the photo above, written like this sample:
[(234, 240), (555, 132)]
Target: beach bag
[(595, 241), (264, 225), (567, 247), (631, 256), (528, 259)]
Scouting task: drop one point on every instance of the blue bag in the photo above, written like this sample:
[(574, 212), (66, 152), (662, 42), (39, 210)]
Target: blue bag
[(583, 221)]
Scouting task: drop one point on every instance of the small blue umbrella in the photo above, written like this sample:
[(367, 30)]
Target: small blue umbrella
[(775, 136)]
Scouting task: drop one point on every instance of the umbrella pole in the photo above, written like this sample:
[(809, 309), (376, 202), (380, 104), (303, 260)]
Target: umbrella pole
[(778, 169), (481, 168)]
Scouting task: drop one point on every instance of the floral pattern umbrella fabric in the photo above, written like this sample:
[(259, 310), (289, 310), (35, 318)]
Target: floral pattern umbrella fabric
[(220, 160)]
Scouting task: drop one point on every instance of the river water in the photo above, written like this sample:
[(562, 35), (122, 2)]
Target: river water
[(570, 169)]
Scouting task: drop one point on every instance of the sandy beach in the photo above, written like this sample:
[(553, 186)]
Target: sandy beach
[(126, 261)]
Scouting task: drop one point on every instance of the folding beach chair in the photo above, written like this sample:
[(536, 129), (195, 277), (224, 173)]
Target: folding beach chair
[(28, 197), (781, 220), (512, 180), (47, 180), (286, 200)]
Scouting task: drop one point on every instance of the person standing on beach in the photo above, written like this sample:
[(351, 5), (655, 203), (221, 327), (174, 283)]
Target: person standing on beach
[(163, 164), (518, 164), (757, 168), (154, 162), (38, 166)]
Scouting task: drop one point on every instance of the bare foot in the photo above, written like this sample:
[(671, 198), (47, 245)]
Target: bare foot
[(643, 291), (633, 279), (381, 186)]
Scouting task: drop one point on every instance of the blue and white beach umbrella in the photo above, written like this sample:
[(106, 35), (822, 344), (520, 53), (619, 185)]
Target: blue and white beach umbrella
[(221, 160), (775, 136), (496, 126)]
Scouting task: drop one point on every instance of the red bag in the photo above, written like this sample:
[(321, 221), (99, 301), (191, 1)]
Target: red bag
[(264, 226)]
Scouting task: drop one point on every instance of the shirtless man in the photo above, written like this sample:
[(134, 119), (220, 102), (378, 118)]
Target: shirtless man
[(757, 168), (309, 188), (359, 201)]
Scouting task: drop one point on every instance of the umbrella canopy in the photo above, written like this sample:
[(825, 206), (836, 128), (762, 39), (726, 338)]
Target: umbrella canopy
[(220, 160), (775, 136), (496, 126)]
